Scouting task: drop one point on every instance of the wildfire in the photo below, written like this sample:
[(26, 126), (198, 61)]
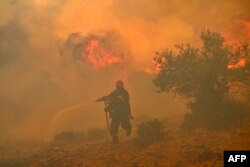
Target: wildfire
[(241, 63), (238, 30), (158, 63), (99, 51), (99, 56)]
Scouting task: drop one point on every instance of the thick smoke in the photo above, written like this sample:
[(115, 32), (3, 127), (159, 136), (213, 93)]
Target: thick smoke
[(99, 51), (50, 75)]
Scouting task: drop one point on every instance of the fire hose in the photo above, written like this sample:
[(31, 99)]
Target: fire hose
[(106, 102)]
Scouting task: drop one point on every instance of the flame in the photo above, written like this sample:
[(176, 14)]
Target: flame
[(92, 45), (237, 30), (99, 56), (98, 51), (158, 63), (241, 63)]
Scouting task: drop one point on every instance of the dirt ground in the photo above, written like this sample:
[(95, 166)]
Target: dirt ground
[(181, 148)]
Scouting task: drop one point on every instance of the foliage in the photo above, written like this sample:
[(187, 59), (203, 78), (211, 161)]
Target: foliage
[(95, 134), (149, 132), (69, 137), (205, 75)]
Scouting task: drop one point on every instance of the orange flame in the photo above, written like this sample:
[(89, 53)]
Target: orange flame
[(99, 56), (158, 63), (241, 63), (237, 31)]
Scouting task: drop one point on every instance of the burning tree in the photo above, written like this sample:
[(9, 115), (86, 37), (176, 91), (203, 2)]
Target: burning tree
[(208, 76)]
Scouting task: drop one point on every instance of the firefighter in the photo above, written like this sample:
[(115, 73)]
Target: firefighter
[(119, 110)]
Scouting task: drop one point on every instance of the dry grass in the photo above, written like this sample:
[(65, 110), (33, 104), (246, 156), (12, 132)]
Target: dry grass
[(196, 148)]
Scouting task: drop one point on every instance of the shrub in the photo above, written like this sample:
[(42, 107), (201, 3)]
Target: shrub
[(149, 132)]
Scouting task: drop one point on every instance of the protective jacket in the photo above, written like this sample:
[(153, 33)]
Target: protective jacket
[(119, 102)]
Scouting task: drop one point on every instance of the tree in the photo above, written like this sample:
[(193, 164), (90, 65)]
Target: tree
[(206, 76)]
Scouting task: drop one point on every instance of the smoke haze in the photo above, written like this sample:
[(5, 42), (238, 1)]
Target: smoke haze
[(50, 76)]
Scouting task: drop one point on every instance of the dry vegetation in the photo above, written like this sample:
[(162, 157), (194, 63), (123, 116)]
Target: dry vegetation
[(189, 147)]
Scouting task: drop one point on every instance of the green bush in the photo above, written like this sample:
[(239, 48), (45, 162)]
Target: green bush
[(95, 134), (149, 132)]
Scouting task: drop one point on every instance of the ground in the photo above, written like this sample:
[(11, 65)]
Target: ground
[(181, 148)]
